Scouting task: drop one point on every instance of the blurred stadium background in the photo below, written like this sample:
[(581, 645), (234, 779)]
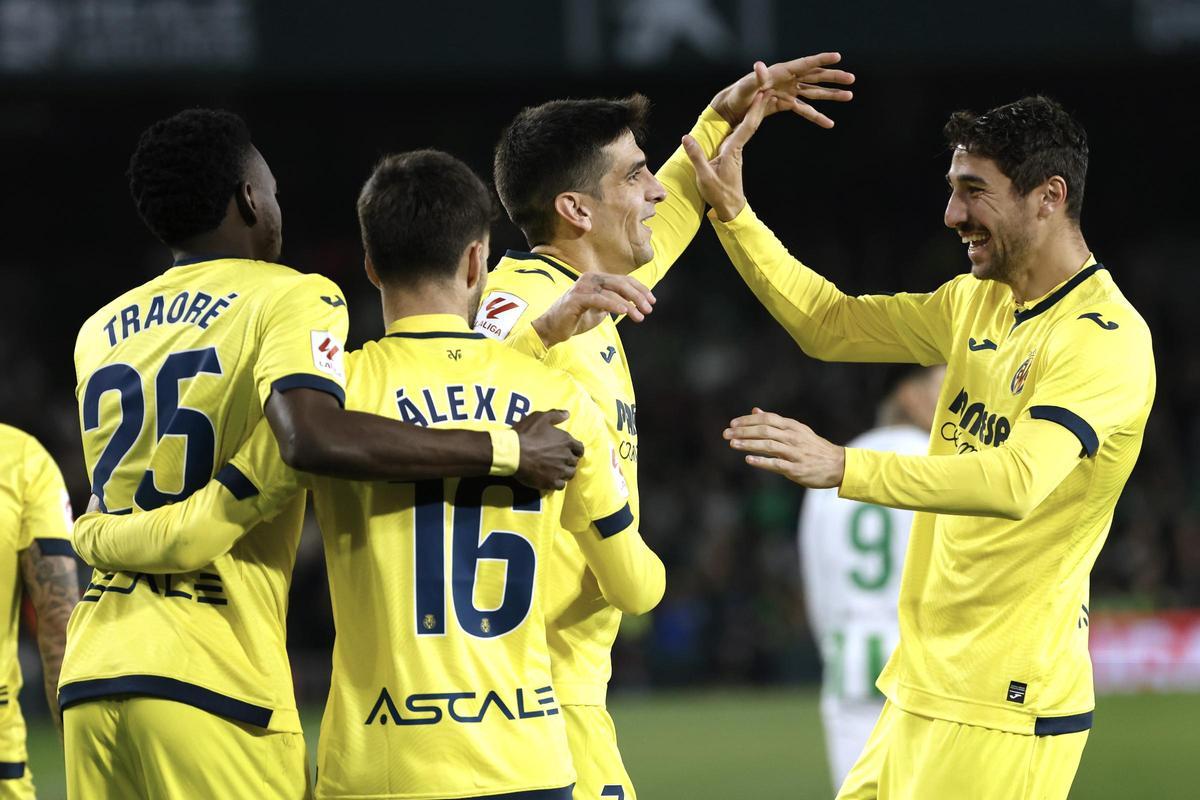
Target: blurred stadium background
[(713, 693)]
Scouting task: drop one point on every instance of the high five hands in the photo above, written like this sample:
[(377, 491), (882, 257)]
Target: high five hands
[(790, 448)]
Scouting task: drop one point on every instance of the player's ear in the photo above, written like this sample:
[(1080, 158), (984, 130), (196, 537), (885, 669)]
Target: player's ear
[(244, 198), (476, 263), (571, 207), (372, 275), (1053, 196)]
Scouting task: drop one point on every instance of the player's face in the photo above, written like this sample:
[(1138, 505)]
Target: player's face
[(628, 193), (268, 229), (995, 223)]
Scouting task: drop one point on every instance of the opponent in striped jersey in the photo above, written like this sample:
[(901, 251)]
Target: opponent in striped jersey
[(173, 375), (441, 679), (1050, 379), (573, 177), (36, 560), (851, 555)]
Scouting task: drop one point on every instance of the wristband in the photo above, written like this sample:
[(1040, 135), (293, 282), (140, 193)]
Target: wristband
[(506, 451)]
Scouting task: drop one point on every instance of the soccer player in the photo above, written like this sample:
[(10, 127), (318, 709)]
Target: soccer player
[(35, 522), (1050, 378), (574, 179), (441, 673), (850, 556), (172, 376)]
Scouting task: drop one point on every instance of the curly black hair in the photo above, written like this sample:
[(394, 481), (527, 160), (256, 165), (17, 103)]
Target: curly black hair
[(1030, 140), (185, 169), (555, 148), (418, 211)]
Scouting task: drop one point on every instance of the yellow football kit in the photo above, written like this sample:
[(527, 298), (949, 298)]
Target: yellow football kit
[(521, 287), (1039, 424), (33, 508), (172, 378), (441, 674)]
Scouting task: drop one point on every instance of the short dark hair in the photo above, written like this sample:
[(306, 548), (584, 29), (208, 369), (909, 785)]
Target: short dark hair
[(185, 169), (1030, 140), (557, 147), (418, 211)]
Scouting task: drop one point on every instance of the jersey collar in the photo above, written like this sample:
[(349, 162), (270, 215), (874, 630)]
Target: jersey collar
[(520, 255), (1046, 301), (432, 326), (200, 259)]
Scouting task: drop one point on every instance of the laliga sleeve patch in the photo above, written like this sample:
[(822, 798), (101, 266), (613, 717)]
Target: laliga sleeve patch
[(498, 313), (618, 476), (327, 354)]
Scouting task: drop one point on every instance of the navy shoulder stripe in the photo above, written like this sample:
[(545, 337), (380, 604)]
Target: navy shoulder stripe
[(1072, 422)]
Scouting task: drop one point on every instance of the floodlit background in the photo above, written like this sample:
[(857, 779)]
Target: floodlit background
[(713, 693)]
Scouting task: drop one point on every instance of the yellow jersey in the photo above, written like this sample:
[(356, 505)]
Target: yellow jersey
[(172, 378), (519, 289), (34, 507), (1039, 423), (441, 674)]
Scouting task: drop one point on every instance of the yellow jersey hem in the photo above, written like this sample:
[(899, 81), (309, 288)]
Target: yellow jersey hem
[(972, 712), (542, 792)]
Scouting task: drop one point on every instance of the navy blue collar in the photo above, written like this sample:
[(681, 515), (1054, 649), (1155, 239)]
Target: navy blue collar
[(520, 255), (436, 335), (200, 259), (1022, 315)]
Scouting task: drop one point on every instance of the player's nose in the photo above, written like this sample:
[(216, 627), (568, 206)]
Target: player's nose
[(655, 191), (956, 212)]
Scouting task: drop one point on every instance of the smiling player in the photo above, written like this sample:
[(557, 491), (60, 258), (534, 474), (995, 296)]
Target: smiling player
[(1049, 384)]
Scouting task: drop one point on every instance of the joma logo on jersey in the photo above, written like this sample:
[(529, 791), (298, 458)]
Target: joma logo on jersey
[(460, 403), (463, 707), (975, 419)]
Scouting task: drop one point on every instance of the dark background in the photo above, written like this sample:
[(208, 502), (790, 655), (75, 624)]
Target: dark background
[(328, 88)]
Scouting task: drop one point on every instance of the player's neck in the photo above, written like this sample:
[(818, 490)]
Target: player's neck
[(1059, 259), (577, 254), (408, 301), (215, 245)]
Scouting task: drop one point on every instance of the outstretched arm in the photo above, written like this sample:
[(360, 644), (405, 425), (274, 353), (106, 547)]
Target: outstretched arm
[(53, 587)]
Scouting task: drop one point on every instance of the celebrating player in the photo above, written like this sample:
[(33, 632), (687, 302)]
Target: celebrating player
[(850, 555), (172, 377), (573, 177), (1049, 383), (441, 674), (35, 518)]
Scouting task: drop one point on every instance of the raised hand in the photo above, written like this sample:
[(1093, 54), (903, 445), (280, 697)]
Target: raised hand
[(720, 180), (593, 297), (789, 84), (790, 448), (549, 454)]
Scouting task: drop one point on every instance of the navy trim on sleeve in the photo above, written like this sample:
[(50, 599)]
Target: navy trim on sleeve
[(614, 523), (236, 482), (55, 547), (1054, 726), (167, 689), (1063, 291), (303, 380), (12, 769), (1072, 422), (436, 335)]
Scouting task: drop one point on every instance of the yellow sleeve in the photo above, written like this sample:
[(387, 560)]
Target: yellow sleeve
[(596, 510), (45, 506), (826, 323), (301, 339), (1008, 481), (191, 534), (526, 340), (1097, 376), (677, 218)]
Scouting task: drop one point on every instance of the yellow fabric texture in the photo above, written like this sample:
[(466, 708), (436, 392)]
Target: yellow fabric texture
[(911, 757), (33, 505), (441, 668), (172, 378), (149, 747), (598, 765), (583, 626), (1039, 423)]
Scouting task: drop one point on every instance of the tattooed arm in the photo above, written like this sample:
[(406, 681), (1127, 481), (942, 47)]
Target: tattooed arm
[(53, 587)]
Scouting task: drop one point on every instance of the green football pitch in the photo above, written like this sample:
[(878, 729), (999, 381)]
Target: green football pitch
[(763, 745)]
